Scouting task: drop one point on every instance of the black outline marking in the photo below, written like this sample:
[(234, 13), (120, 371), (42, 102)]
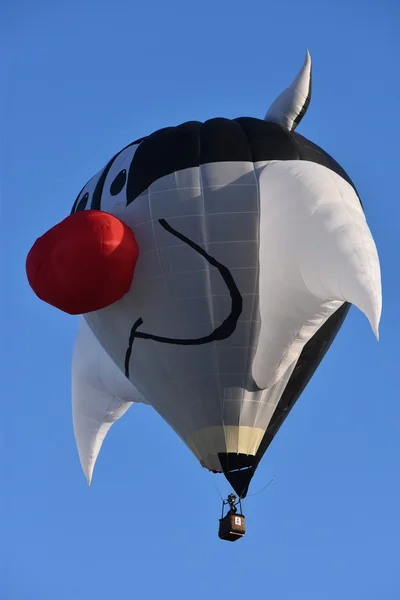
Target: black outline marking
[(128, 353), (222, 332), (82, 203), (98, 191), (75, 204)]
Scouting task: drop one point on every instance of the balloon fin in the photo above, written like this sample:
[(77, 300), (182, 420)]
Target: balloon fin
[(291, 105), (101, 394)]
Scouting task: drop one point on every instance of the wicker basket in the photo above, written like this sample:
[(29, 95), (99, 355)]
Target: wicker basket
[(232, 527)]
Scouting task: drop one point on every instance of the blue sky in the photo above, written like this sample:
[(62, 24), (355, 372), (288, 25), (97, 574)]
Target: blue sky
[(83, 79)]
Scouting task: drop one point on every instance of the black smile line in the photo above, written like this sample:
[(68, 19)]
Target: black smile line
[(222, 332)]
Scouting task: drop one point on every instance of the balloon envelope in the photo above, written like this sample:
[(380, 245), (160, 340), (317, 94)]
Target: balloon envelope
[(252, 244)]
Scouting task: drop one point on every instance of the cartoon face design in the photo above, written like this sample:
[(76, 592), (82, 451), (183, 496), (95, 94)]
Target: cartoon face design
[(241, 144), (252, 243)]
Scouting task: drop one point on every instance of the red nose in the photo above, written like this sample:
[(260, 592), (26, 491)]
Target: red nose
[(84, 263)]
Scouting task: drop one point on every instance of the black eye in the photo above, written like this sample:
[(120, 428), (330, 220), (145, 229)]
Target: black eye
[(82, 202), (118, 183)]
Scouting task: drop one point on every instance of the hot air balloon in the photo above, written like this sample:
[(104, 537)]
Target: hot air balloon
[(213, 264)]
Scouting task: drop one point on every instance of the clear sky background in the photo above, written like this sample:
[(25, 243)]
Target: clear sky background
[(81, 80)]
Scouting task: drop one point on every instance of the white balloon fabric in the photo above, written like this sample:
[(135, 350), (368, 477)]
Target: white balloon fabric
[(252, 245), (316, 252), (101, 394)]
